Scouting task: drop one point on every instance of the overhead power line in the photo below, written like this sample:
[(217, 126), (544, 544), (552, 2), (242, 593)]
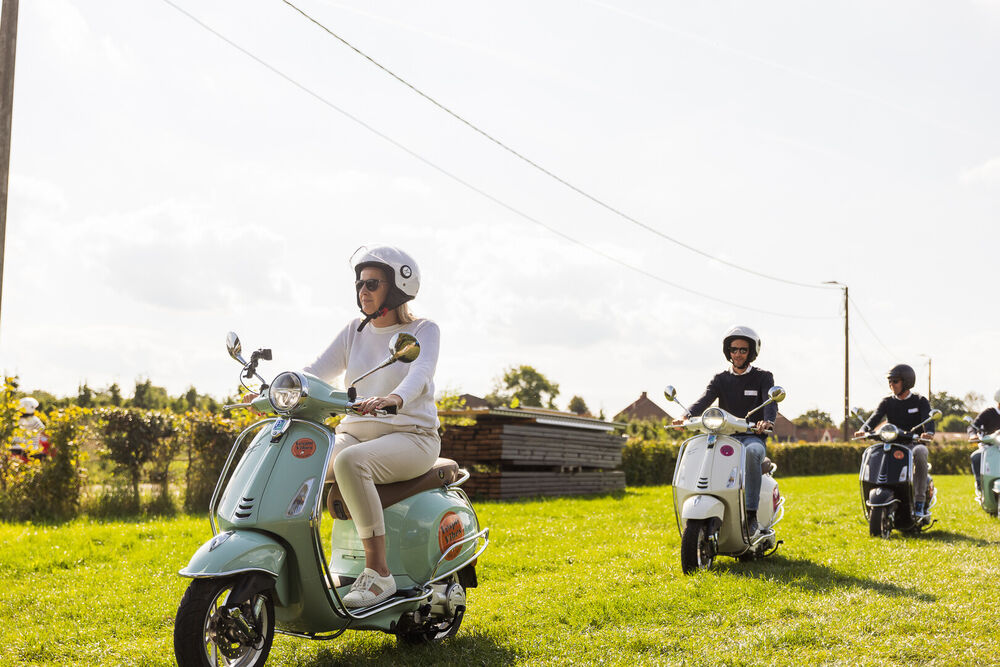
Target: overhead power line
[(547, 172), (470, 186), (892, 355)]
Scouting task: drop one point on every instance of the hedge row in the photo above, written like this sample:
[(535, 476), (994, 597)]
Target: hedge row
[(648, 462)]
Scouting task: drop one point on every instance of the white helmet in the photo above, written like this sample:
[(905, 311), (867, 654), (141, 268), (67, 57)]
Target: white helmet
[(745, 333), (996, 396), (400, 268), (28, 405)]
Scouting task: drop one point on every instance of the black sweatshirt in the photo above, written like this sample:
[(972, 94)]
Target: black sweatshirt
[(902, 413), (739, 394), (988, 420)]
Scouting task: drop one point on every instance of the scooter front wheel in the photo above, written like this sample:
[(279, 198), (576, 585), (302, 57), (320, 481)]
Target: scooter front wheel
[(696, 549), (880, 522), (208, 633)]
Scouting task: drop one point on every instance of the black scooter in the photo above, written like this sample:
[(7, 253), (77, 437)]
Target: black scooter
[(887, 482)]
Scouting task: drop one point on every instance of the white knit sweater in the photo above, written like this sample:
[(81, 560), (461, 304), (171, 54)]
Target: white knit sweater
[(352, 354)]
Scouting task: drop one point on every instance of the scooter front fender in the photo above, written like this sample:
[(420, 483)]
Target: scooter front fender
[(881, 497), (702, 507), (237, 552)]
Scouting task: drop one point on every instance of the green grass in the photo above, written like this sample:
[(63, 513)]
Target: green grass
[(585, 581)]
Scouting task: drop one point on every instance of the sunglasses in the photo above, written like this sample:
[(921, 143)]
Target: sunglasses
[(371, 284), (739, 350)]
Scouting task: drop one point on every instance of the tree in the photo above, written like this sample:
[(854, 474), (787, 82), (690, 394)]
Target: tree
[(578, 405), (526, 385), (974, 402), (814, 419), (85, 396), (115, 392), (149, 396), (947, 404)]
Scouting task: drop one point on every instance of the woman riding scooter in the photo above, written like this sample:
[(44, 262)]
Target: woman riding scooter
[(372, 451)]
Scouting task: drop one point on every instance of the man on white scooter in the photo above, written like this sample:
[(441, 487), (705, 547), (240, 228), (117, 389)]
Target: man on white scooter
[(905, 410), (740, 389), (985, 422)]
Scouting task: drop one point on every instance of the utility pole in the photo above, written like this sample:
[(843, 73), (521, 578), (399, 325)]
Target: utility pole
[(847, 363), (8, 47), (928, 375)]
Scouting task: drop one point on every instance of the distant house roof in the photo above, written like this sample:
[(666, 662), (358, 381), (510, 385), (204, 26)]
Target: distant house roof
[(474, 402), (642, 408)]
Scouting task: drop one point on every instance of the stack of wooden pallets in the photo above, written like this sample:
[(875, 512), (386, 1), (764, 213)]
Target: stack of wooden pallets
[(523, 452)]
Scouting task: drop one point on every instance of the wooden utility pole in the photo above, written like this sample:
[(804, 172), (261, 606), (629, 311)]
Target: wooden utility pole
[(847, 361), (8, 47)]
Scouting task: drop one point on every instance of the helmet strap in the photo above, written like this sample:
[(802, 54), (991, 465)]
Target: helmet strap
[(368, 318)]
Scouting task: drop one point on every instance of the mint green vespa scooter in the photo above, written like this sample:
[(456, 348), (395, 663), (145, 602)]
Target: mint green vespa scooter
[(989, 467), (266, 569)]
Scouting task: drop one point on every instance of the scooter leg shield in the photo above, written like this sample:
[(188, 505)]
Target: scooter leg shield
[(236, 552), (880, 496), (702, 507)]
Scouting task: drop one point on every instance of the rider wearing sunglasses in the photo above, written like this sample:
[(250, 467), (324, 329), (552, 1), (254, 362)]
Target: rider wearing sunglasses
[(370, 451), (904, 410), (740, 389)]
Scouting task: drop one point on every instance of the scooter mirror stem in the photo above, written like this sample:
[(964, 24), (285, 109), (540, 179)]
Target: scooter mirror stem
[(402, 347), (935, 416), (774, 395), (670, 394)]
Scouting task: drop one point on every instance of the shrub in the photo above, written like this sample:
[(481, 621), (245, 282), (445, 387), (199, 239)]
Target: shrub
[(210, 438), (647, 462), (132, 438)]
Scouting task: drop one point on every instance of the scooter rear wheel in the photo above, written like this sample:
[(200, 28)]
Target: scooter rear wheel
[(205, 635), (880, 522), (696, 549)]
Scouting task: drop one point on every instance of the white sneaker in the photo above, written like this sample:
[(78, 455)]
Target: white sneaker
[(369, 588)]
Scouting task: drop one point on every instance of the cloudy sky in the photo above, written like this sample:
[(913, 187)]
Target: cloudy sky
[(182, 170)]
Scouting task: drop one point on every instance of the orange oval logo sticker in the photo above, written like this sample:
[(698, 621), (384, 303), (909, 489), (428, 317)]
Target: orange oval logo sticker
[(303, 448), (450, 531), (898, 454)]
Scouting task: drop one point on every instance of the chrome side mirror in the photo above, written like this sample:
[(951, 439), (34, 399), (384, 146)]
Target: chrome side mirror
[(857, 413), (234, 347), (936, 415), (967, 419), (776, 394), (670, 393), (404, 347)]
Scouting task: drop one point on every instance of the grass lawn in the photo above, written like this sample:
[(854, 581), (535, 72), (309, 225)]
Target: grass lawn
[(585, 581)]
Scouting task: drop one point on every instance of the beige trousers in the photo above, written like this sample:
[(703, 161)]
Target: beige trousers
[(366, 453)]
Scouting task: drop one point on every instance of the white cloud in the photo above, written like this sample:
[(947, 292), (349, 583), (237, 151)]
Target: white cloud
[(988, 172)]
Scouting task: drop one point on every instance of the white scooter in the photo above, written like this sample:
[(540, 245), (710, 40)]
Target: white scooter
[(708, 489)]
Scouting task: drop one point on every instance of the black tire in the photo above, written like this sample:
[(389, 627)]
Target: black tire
[(199, 626), (880, 522), (696, 550)]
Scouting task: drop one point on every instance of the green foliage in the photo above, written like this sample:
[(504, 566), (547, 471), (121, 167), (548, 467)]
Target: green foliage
[(578, 405), (54, 489), (132, 438), (149, 397), (452, 401), (814, 419), (525, 384), (652, 460), (953, 424), (210, 438), (947, 404)]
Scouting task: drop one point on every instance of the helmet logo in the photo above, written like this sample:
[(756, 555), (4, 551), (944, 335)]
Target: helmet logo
[(405, 271)]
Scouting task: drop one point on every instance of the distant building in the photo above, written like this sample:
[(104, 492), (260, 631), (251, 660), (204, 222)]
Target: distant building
[(642, 408), (474, 402)]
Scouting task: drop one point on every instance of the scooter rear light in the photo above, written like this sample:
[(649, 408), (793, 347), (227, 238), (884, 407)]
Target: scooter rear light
[(902, 475)]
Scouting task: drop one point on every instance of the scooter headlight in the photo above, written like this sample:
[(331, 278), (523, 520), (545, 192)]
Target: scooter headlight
[(888, 433), (713, 419), (287, 390)]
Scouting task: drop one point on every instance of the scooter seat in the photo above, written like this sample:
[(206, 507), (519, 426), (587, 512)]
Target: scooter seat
[(442, 473)]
